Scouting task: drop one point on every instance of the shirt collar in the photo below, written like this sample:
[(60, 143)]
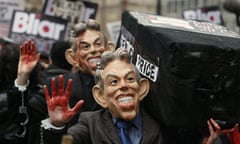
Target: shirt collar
[(137, 121)]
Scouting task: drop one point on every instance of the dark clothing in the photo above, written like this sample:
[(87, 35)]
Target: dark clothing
[(97, 128), (52, 71), (81, 90), (37, 107), (7, 128), (182, 135), (14, 101)]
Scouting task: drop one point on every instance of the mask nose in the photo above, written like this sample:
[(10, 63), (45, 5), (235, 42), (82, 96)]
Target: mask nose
[(93, 49), (123, 85)]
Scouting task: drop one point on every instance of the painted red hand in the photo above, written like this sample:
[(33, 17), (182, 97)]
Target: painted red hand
[(28, 57), (222, 131), (58, 105), (212, 124), (213, 134)]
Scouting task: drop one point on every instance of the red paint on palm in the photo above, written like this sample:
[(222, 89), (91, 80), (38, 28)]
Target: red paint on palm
[(28, 57), (58, 105)]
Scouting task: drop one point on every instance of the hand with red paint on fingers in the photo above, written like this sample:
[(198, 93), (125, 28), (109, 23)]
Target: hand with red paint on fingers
[(58, 105), (215, 130), (28, 57), (219, 130), (27, 61), (213, 134)]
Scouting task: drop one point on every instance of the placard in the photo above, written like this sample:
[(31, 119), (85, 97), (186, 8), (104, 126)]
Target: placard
[(44, 30), (209, 14)]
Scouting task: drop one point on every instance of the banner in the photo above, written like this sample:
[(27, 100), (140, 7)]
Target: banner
[(209, 14), (114, 29), (73, 11), (44, 30), (6, 11)]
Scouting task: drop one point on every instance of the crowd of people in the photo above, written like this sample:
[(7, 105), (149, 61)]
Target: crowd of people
[(90, 90)]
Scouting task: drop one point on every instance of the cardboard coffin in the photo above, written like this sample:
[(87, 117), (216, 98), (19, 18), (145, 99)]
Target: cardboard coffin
[(193, 68)]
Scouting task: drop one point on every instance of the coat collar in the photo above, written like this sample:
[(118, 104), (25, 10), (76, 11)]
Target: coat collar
[(150, 128), (109, 129)]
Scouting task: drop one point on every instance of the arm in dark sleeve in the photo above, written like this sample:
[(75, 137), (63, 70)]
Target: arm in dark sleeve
[(50, 133), (52, 136), (79, 132), (14, 101)]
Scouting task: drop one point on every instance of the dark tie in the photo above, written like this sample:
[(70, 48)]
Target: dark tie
[(123, 126)]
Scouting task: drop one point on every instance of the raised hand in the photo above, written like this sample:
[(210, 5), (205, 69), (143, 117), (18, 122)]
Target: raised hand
[(58, 105), (222, 131), (28, 57), (212, 124), (27, 61), (213, 134)]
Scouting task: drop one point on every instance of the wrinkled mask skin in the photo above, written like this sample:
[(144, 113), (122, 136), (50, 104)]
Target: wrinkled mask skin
[(90, 48), (122, 93)]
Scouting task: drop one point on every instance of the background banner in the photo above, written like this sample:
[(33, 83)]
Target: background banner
[(6, 11), (209, 14), (73, 11), (43, 29)]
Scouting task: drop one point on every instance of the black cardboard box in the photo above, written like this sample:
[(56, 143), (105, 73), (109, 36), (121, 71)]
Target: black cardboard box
[(193, 68)]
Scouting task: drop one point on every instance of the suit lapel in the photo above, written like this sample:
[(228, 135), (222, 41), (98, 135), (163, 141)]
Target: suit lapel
[(149, 129), (109, 129)]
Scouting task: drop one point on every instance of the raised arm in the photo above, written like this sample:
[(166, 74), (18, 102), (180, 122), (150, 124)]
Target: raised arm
[(58, 105), (27, 61)]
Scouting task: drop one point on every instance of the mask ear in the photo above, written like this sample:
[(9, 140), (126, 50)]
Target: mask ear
[(110, 46), (98, 96), (143, 88), (69, 55)]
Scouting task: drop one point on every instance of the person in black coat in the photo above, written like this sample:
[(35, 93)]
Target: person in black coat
[(58, 63), (119, 93), (87, 44), (11, 129), (9, 56)]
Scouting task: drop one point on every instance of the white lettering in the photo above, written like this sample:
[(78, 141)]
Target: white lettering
[(209, 16), (146, 68), (58, 29), (125, 44), (20, 22), (31, 24)]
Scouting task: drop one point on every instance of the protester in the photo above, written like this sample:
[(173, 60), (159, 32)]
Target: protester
[(9, 56), (15, 121), (88, 43), (24, 90), (44, 60), (119, 92), (58, 63)]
